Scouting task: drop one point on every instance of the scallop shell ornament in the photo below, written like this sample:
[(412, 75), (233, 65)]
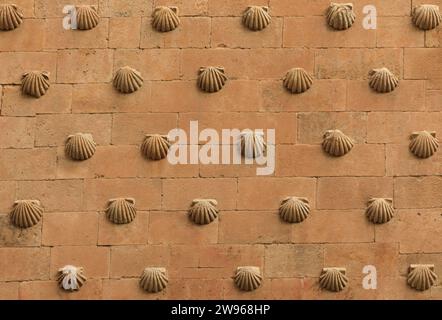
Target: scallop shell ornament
[(421, 276), (337, 143), (424, 144), (333, 279), (380, 210), (26, 213), (248, 278), (71, 278), (203, 211), (427, 16), (165, 19), (297, 80), (87, 17), (252, 144), (154, 280), (35, 83), (128, 80), (212, 79), (294, 209), (340, 16), (155, 146), (121, 210), (10, 17), (80, 146), (257, 18), (383, 80)]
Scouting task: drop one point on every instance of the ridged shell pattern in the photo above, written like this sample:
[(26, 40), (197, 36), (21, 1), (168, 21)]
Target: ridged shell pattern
[(154, 280), (165, 19), (380, 210), (10, 17), (248, 278), (128, 80), (297, 80), (427, 16), (80, 146), (383, 80), (211, 79), (121, 210), (340, 16), (333, 279), (155, 146), (252, 144), (257, 18), (294, 209), (35, 83), (336, 143), (421, 276), (71, 278), (26, 213), (424, 144), (203, 211), (87, 17)]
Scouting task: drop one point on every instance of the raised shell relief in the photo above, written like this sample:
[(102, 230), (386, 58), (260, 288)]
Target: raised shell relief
[(248, 278), (336, 143), (35, 83), (87, 17), (294, 209), (128, 80), (10, 17), (340, 16), (424, 144), (380, 210), (257, 18), (71, 278), (154, 280), (26, 213), (427, 16), (211, 79), (297, 80), (333, 279), (155, 146), (203, 211), (252, 144), (383, 80), (80, 146), (121, 210), (165, 19), (421, 276)]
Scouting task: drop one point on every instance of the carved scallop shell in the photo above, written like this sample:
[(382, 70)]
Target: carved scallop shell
[(294, 209), (297, 80), (121, 210), (212, 79), (340, 16), (165, 19), (337, 143), (80, 146), (424, 144), (35, 83), (155, 146), (380, 210), (71, 278), (87, 17), (154, 279), (421, 276), (252, 144), (10, 17), (248, 278), (333, 279), (203, 211), (383, 80), (427, 16), (257, 18), (26, 213), (128, 80)]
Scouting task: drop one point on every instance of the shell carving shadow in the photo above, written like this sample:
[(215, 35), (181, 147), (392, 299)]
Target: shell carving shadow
[(128, 80), (87, 17), (121, 210), (340, 16), (421, 276), (383, 80), (211, 79), (424, 144), (155, 146), (380, 210), (248, 278), (252, 144), (165, 19), (80, 146), (154, 280), (297, 80), (336, 143), (26, 213), (294, 209), (71, 278), (333, 279), (257, 18), (11, 17), (427, 16), (203, 211), (35, 83)]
